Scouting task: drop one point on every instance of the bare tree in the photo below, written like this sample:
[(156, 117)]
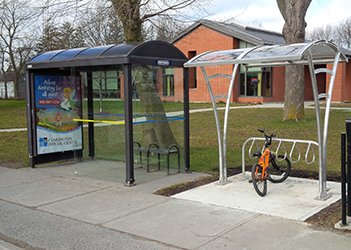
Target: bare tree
[(327, 32), (16, 17), (4, 69), (100, 26), (343, 33), (294, 13), (168, 28), (133, 13)]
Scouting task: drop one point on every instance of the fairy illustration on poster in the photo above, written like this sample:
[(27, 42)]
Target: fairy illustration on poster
[(57, 103)]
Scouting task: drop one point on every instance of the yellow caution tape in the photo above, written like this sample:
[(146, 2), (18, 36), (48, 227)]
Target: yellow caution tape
[(102, 121)]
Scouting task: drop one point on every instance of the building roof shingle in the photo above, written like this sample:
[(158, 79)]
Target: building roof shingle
[(253, 35)]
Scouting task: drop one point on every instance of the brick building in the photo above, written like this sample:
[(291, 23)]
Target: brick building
[(259, 84)]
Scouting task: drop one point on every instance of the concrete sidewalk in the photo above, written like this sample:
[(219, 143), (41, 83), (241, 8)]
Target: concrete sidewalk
[(51, 208)]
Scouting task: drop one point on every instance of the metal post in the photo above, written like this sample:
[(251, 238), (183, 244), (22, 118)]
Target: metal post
[(128, 114), (348, 170), (324, 194), (222, 161), (90, 100), (186, 121), (322, 186), (226, 115), (227, 106), (343, 179), (30, 124)]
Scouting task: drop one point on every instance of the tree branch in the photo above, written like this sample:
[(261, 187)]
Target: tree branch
[(178, 6)]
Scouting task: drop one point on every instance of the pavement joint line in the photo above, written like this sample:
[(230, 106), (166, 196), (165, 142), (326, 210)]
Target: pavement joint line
[(134, 212), (71, 197), (230, 228), (17, 204), (49, 203)]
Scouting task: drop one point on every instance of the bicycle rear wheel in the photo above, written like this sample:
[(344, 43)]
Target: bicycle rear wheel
[(258, 181), (279, 171)]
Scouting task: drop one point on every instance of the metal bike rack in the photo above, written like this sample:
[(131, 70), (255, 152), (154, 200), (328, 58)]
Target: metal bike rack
[(281, 144), (312, 53)]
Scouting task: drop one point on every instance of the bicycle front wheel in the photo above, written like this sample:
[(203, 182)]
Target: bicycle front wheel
[(279, 171), (259, 182)]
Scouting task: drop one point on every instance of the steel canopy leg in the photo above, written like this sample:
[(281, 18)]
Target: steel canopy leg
[(226, 114), (322, 137), (227, 106), (222, 161), (326, 124), (322, 190)]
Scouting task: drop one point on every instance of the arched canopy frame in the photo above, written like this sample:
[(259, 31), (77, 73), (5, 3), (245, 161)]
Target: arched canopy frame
[(312, 53)]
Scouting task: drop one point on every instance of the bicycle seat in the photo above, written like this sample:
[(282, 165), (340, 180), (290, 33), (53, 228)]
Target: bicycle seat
[(257, 154)]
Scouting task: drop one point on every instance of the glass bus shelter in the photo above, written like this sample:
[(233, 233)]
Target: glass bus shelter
[(108, 102)]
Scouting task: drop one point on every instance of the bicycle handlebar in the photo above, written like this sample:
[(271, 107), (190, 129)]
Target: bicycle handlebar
[(267, 137)]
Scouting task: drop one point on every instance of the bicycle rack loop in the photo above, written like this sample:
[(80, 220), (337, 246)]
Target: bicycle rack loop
[(309, 157)]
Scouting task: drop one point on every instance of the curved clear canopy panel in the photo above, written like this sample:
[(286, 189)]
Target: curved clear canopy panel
[(215, 57), (321, 51)]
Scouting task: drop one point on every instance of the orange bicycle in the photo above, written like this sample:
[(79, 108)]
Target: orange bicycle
[(267, 167)]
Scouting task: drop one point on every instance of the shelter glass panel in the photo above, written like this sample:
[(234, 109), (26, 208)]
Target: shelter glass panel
[(104, 84), (105, 115), (158, 117)]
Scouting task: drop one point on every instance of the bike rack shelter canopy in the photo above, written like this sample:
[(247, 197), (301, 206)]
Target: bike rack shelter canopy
[(311, 54), (151, 53), (322, 52)]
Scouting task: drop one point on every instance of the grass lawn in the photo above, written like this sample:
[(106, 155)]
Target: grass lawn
[(12, 114), (243, 124)]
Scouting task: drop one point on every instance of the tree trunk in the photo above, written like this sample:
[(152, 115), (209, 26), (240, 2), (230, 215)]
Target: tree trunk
[(294, 93), (294, 13), (128, 12), (5, 86)]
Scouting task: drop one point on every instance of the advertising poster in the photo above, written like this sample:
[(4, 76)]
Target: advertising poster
[(57, 102)]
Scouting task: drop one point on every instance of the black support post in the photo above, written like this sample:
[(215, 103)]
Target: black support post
[(348, 170), (128, 114), (30, 120), (186, 121), (343, 179), (90, 114)]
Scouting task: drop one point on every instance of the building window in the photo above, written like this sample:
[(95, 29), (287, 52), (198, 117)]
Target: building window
[(255, 81), (192, 72), (106, 84), (168, 82)]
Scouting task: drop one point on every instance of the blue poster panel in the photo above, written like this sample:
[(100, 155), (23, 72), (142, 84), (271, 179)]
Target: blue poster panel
[(57, 103)]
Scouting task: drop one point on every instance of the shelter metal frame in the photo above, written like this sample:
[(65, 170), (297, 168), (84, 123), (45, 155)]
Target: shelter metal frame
[(312, 53), (151, 53)]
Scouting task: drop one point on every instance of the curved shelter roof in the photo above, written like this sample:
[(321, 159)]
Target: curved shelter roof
[(321, 51), (149, 53)]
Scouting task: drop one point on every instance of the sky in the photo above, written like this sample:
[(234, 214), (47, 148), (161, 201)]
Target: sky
[(265, 13)]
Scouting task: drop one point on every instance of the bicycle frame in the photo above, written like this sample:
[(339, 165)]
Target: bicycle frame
[(264, 161)]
